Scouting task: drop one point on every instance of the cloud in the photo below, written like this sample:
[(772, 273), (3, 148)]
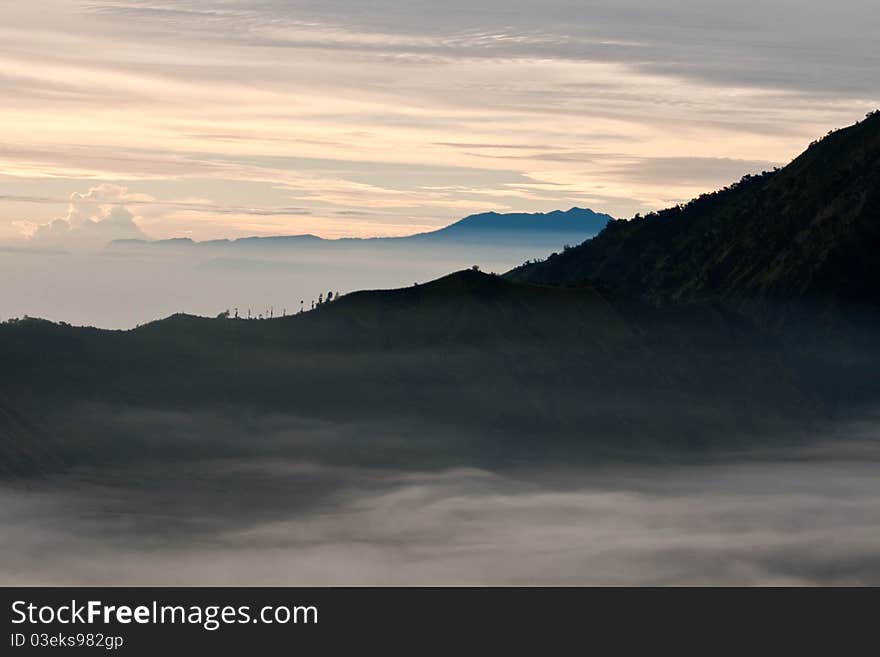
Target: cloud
[(298, 99), (283, 522), (702, 172), (751, 43), (93, 220)]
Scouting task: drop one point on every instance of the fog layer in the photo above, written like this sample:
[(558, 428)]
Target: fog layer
[(810, 516), (121, 288)]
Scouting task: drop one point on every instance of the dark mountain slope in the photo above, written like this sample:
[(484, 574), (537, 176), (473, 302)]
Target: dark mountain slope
[(804, 235), (744, 315), (794, 250), (507, 368), (25, 447)]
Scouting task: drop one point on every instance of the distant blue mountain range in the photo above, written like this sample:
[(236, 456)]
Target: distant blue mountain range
[(579, 221), (541, 230)]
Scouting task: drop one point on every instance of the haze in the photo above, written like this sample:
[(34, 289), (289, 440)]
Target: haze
[(802, 516)]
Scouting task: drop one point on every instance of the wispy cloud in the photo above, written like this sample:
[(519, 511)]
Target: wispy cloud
[(306, 97)]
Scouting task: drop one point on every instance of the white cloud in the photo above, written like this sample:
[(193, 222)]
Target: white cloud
[(93, 219)]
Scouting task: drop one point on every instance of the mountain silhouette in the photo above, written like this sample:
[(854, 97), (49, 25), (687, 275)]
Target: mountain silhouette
[(749, 314), (508, 368), (492, 225), (542, 230), (794, 250), (806, 234)]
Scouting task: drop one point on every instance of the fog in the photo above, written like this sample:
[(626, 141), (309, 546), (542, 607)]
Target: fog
[(288, 514), (121, 288)]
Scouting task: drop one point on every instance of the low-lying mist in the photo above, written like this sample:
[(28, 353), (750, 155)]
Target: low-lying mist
[(123, 287), (273, 509)]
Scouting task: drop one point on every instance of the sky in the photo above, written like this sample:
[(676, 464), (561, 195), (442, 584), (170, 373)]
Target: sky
[(352, 118)]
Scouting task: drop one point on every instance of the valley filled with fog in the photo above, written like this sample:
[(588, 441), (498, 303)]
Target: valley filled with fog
[(346, 515)]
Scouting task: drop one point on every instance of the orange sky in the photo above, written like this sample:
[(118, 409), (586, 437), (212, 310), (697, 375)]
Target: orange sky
[(224, 119)]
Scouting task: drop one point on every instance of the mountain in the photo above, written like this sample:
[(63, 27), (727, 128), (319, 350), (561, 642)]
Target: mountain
[(470, 365), (186, 242), (24, 448), (575, 223), (794, 250), (745, 318), (551, 230), (805, 234)]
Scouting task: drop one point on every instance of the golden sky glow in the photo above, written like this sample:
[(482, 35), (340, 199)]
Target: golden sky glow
[(222, 119)]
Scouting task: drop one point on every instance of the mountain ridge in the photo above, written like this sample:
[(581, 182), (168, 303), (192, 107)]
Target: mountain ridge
[(508, 368), (805, 233), (745, 314), (794, 250), (574, 223)]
